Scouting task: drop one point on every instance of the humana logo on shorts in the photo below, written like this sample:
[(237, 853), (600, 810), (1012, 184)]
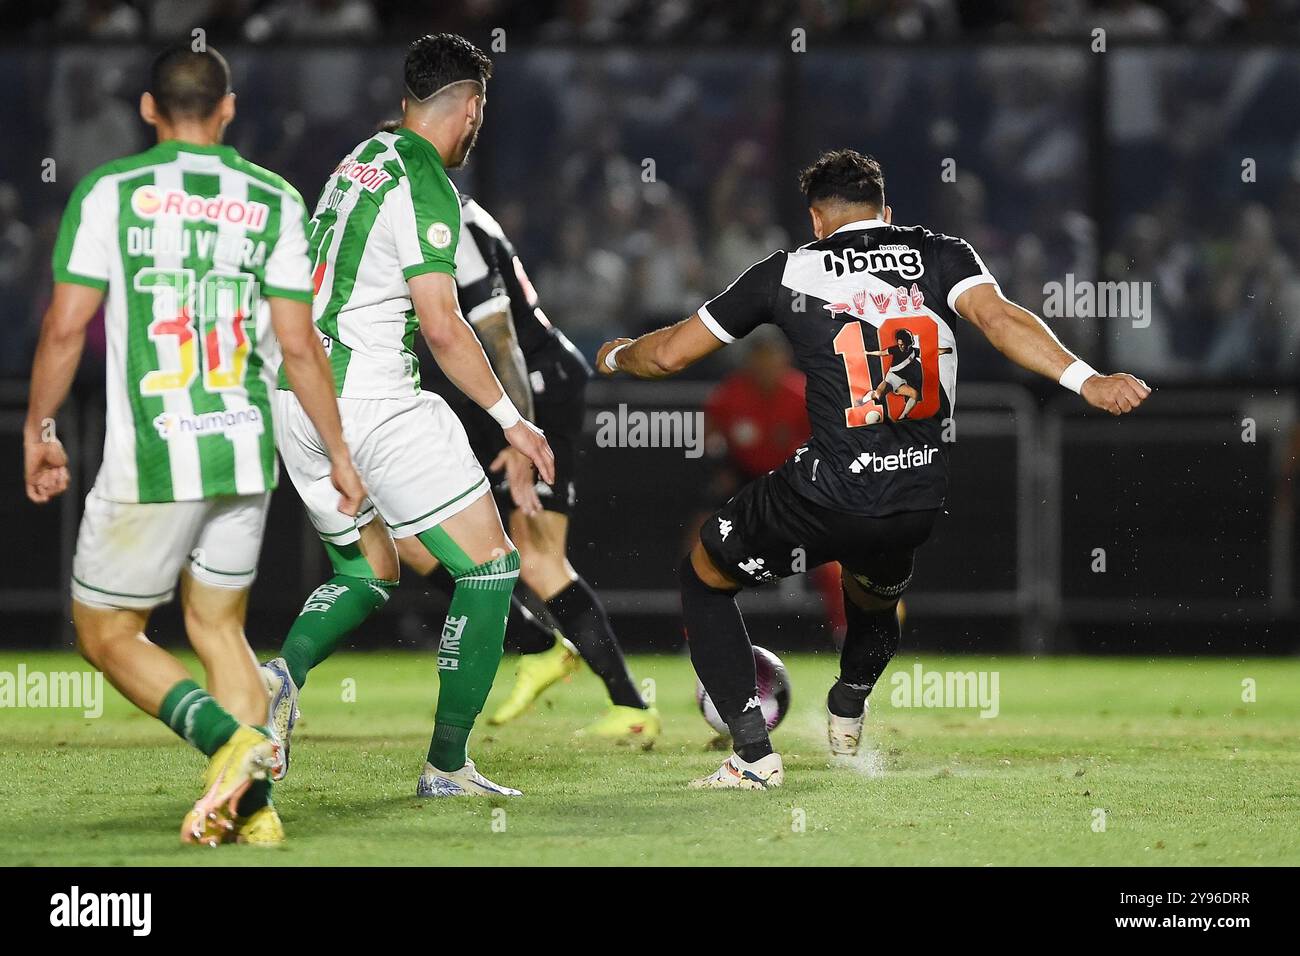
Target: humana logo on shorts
[(899, 461), (230, 422), (449, 647), (75, 690), (75, 908)]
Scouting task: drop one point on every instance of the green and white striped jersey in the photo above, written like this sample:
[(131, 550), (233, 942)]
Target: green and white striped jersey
[(388, 213), (189, 241)]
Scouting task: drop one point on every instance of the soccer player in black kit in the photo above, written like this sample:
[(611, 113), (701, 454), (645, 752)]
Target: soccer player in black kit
[(866, 488)]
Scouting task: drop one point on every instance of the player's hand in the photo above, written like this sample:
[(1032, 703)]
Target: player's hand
[(346, 481), (605, 349), (528, 438), (45, 469), (1117, 394), (519, 474)]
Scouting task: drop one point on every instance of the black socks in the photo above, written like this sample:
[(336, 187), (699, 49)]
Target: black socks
[(724, 659), (870, 642), (583, 621)]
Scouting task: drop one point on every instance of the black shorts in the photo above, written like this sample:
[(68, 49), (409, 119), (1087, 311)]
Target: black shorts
[(559, 407), (769, 531), (909, 374)]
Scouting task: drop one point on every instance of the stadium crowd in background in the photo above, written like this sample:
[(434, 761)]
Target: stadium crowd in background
[(636, 182)]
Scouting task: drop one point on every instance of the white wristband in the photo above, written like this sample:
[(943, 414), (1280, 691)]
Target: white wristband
[(1076, 374), (611, 360), (504, 412)]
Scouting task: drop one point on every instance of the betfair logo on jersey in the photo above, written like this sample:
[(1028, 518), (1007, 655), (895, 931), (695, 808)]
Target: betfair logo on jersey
[(230, 422), (149, 202), (901, 259), (899, 461), (366, 175)]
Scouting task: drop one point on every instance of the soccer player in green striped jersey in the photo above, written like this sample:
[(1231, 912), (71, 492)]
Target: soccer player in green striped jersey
[(383, 241), (200, 260)]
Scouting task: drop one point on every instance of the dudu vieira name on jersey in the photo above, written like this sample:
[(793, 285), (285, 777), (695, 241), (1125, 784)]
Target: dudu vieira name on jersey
[(206, 245)]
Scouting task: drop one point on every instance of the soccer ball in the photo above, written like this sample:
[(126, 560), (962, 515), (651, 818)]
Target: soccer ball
[(773, 692), (873, 416)]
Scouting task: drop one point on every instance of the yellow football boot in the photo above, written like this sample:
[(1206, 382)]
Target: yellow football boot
[(261, 828), (536, 672), (245, 757), (630, 725)]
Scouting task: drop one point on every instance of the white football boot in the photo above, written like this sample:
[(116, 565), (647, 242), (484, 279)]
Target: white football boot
[(845, 733), (736, 774), (465, 782), (282, 711)]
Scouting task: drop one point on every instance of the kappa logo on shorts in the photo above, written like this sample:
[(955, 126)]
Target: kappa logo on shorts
[(724, 528)]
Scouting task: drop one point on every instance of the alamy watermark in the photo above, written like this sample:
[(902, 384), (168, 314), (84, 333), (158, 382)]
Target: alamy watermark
[(77, 690), (956, 690), (1085, 299), (626, 428)]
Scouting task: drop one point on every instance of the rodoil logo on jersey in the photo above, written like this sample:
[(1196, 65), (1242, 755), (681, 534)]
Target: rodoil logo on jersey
[(228, 422), (149, 202), (896, 257)]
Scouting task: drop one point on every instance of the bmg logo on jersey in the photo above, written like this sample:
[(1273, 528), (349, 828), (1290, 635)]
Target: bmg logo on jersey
[(899, 258)]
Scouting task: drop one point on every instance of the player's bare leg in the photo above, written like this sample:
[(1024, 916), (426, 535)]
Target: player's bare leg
[(214, 621), (542, 540), (473, 546), (365, 573), (724, 660), (113, 640), (870, 641)]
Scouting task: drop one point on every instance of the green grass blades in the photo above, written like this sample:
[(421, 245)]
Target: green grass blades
[(1087, 762)]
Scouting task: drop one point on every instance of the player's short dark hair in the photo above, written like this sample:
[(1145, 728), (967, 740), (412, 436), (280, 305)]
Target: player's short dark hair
[(188, 84), (437, 59), (846, 175)]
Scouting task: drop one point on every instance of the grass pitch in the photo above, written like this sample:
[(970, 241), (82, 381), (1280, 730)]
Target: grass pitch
[(1166, 754)]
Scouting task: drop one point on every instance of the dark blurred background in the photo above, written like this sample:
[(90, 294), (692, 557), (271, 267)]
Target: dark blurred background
[(642, 154)]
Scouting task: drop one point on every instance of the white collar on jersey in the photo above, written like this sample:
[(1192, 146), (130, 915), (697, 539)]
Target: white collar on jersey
[(860, 224)]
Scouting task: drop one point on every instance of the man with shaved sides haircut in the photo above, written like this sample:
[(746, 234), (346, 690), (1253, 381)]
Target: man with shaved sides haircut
[(200, 259), (383, 241)]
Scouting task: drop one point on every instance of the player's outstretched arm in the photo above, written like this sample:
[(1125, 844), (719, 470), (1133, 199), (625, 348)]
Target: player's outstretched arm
[(460, 355), (308, 370), (660, 353), (1025, 339), (63, 336), (497, 334)]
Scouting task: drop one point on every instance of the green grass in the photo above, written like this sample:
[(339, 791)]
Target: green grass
[(1186, 772)]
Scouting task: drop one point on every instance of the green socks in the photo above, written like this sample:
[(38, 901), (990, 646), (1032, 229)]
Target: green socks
[(333, 611), (196, 717), (469, 653)]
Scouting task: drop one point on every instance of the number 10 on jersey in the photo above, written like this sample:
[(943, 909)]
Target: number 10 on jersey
[(851, 346)]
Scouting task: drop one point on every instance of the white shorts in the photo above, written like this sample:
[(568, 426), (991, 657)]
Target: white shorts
[(412, 454), (129, 555)]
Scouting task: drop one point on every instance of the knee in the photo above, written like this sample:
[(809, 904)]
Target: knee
[(866, 600)]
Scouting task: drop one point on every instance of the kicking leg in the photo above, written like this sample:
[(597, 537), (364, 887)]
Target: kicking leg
[(724, 660)]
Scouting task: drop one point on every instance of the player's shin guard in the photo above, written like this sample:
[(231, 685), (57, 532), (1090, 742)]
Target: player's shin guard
[(724, 660), (870, 642), (468, 654), (334, 610), (584, 622), (526, 630)]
